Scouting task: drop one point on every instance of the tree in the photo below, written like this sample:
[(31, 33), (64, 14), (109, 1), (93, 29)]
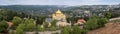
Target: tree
[(73, 20), (20, 29), (29, 24), (68, 20), (107, 15), (28, 20), (3, 26), (53, 23), (102, 22), (7, 14), (29, 27), (96, 22), (16, 21), (52, 28), (65, 30), (46, 24), (40, 20), (76, 30), (91, 23), (40, 28)]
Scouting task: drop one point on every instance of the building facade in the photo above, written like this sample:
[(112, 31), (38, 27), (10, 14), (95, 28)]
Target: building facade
[(60, 17)]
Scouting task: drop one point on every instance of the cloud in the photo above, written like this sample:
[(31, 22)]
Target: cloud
[(57, 2)]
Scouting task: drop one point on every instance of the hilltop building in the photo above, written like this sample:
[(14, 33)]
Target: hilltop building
[(60, 17)]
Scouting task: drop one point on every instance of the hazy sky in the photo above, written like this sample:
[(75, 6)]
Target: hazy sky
[(58, 2)]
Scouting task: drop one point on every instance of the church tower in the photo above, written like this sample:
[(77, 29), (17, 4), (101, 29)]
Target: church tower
[(60, 17)]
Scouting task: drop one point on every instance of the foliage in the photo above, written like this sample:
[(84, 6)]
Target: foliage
[(91, 24), (29, 27), (65, 30), (29, 24), (28, 20), (7, 15), (40, 28), (76, 30), (73, 19), (16, 21), (102, 22), (68, 19), (53, 23), (107, 15), (96, 22), (46, 24), (3, 26), (52, 28), (40, 20), (20, 29)]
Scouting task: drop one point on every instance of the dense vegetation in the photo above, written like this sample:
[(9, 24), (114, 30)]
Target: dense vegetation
[(24, 22), (18, 18)]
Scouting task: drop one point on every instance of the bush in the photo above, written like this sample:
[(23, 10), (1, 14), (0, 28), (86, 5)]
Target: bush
[(53, 23), (29, 27), (28, 24), (52, 28), (102, 22), (40, 28), (96, 22), (46, 24), (16, 21), (3, 27), (20, 29), (76, 30), (65, 30), (91, 24)]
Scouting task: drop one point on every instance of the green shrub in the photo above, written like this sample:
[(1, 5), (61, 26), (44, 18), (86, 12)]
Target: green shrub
[(96, 22), (52, 28), (40, 28), (3, 27), (46, 24), (76, 30), (20, 29), (16, 21), (65, 30), (102, 22), (91, 24)]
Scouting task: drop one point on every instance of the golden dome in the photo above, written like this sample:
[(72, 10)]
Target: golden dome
[(58, 11)]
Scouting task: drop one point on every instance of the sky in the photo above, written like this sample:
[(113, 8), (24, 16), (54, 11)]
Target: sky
[(59, 2)]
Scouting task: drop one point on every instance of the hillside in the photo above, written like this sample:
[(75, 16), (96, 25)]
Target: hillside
[(113, 27), (69, 10)]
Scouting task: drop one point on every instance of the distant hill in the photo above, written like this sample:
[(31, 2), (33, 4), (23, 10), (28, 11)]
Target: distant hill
[(49, 9), (36, 9)]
